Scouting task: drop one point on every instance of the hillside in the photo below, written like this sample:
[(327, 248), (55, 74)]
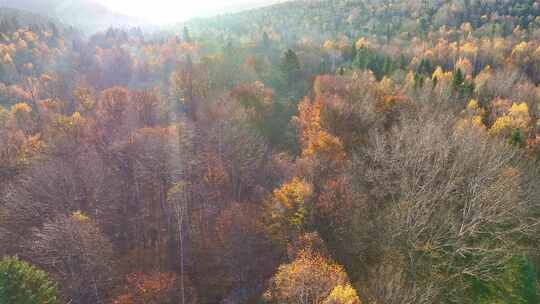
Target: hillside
[(312, 152), (383, 19), (86, 15)]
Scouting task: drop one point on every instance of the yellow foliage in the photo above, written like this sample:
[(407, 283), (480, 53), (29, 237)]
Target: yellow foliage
[(71, 126), (30, 148), (343, 294), (440, 75), (362, 43), (310, 278), (520, 48), (517, 117), (474, 122), (80, 216), (329, 45), (19, 108), (324, 143), (287, 207), (473, 119), (316, 141), (386, 85), (469, 49), (501, 124), (472, 105), (293, 194)]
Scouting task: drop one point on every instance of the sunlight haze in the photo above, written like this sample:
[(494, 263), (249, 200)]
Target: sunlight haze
[(169, 11)]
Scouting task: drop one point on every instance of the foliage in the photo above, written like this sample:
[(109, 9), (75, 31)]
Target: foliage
[(22, 283), (310, 278)]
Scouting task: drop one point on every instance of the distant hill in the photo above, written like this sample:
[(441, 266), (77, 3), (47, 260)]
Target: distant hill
[(86, 15), (383, 20), (26, 18), (237, 7)]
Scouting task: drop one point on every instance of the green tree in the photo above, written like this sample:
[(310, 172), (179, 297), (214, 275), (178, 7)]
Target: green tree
[(290, 65), (461, 85), (290, 75), (22, 283)]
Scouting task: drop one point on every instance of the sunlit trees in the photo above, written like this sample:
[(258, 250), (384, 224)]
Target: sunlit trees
[(309, 278), (313, 138), (289, 209), (517, 119), (398, 139), (342, 294)]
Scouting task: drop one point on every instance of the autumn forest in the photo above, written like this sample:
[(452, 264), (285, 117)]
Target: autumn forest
[(304, 152)]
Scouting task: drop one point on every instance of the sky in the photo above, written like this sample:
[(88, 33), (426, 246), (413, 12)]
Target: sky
[(169, 11)]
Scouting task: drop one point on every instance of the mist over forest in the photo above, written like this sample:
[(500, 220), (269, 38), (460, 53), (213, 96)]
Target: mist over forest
[(271, 152)]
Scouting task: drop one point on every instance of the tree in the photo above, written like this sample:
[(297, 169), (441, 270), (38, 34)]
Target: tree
[(436, 190), (149, 288), (342, 294), (309, 279), (460, 85), (74, 251), (288, 209), (22, 283), (290, 69), (190, 86)]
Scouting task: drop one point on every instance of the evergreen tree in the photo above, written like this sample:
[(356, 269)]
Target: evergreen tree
[(290, 65), (457, 80)]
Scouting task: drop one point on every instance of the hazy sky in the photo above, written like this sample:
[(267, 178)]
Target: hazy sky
[(165, 11)]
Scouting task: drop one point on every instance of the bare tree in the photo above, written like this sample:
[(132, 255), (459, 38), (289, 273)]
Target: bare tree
[(79, 256), (438, 206)]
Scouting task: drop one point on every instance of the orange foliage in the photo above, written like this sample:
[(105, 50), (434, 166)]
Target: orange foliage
[(314, 140), (310, 278), (148, 288)]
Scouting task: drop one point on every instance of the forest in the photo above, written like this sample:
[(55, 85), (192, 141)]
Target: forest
[(307, 152)]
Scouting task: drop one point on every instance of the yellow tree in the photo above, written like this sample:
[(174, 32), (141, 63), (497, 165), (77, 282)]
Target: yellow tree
[(309, 279), (288, 209), (314, 140), (343, 294)]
